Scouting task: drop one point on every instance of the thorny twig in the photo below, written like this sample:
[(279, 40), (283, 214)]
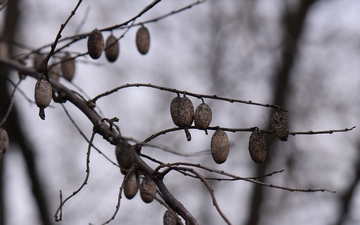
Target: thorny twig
[(59, 209)]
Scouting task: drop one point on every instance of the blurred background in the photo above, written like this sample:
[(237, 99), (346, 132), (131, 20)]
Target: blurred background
[(301, 55)]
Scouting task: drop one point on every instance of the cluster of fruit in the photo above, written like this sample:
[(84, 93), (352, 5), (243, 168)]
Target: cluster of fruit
[(95, 46), (183, 115)]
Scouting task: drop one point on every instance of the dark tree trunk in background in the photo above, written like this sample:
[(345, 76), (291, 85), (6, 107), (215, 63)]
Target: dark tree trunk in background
[(293, 27), (13, 124)]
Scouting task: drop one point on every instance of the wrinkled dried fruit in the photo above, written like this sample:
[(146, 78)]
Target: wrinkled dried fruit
[(4, 142), (147, 186), (169, 218), (43, 95), (143, 40), (112, 48), (38, 62), (54, 72), (68, 67), (125, 154), (130, 186), (257, 146), (182, 111), (203, 116), (280, 125), (220, 146), (95, 44)]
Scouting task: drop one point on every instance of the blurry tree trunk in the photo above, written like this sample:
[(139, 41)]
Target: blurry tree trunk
[(13, 124), (345, 200), (293, 26)]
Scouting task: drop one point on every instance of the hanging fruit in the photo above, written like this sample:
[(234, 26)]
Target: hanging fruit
[(95, 44), (112, 48), (203, 116), (131, 186), (280, 125), (143, 40), (4, 142), (147, 190), (257, 146), (43, 95), (220, 146), (182, 113), (68, 66)]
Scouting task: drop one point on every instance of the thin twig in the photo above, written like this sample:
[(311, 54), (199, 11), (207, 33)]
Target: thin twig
[(86, 139), (211, 191), (12, 97), (322, 131), (84, 182), (221, 172), (58, 36), (200, 96)]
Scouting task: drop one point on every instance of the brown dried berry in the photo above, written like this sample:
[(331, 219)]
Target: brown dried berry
[(182, 113), (68, 67), (219, 146), (38, 62), (143, 40), (257, 146), (203, 116), (147, 190), (170, 218), (4, 142), (43, 95), (112, 48), (95, 44), (280, 125), (130, 186), (125, 154)]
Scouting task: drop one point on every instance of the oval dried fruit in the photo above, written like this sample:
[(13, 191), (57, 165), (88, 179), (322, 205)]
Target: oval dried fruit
[(131, 186), (147, 190), (143, 40), (280, 125), (220, 146), (182, 111), (68, 66), (203, 116), (257, 146), (125, 154), (169, 218), (43, 95), (4, 142), (112, 48), (95, 44)]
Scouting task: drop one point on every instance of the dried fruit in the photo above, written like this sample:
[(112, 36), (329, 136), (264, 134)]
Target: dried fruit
[(38, 62), (182, 113), (130, 186), (4, 142), (112, 48), (54, 71), (147, 190), (68, 66), (143, 40), (43, 95), (95, 44), (203, 116), (280, 125), (219, 146), (257, 146), (169, 218), (124, 154)]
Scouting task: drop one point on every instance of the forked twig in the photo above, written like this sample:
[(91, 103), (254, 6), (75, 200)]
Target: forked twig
[(59, 209)]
